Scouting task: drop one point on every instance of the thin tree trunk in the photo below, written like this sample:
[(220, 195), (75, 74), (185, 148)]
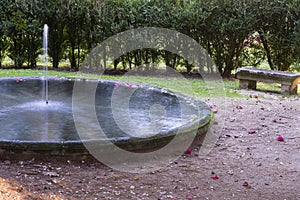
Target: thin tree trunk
[(267, 50), (73, 57), (78, 57)]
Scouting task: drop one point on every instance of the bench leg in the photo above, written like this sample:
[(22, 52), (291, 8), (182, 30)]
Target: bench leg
[(285, 89), (293, 89), (294, 86), (247, 84)]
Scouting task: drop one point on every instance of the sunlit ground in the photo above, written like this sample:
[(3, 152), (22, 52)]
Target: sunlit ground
[(14, 191)]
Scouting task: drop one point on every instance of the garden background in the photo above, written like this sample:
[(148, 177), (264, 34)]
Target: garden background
[(256, 33)]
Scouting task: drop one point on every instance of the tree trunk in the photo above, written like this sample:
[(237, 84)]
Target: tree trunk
[(188, 66), (73, 58), (167, 61), (55, 63), (229, 65), (116, 62), (228, 69), (147, 63), (78, 57), (104, 59), (174, 61), (267, 50)]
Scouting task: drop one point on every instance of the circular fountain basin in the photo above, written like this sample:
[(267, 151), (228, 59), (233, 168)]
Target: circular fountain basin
[(30, 126)]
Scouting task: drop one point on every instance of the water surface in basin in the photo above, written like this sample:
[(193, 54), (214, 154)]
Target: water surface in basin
[(25, 116)]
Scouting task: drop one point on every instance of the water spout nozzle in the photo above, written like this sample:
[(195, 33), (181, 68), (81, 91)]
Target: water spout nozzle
[(46, 102)]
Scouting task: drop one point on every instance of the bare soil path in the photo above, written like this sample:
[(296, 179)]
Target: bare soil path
[(247, 162)]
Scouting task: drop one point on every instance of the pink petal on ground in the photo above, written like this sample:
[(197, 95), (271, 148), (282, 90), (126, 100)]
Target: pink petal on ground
[(129, 85), (239, 107), (280, 138), (252, 132), (215, 177), (255, 96), (196, 187), (215, 111), (189, 197), (211, 106), (116, 84), (189, 151), (245, 184)]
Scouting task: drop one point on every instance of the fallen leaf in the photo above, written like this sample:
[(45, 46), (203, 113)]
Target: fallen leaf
[(51, 174)]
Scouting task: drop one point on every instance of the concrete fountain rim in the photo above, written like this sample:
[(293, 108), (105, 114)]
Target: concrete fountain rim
[(200, 124)]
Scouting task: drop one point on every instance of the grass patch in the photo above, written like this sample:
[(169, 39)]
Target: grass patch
[(269, 87), (29, 72), (191, 87), (273, 87)]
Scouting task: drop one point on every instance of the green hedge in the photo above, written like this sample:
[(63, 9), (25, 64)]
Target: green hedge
[(235, 33)]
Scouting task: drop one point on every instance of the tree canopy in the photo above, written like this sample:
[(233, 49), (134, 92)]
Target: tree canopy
[(234, 33)]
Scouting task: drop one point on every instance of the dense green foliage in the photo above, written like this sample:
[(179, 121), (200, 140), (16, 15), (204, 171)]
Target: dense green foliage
[(235, 33)]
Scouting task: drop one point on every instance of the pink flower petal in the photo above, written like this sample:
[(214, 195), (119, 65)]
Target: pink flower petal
[(189, 151), (211, 106), (246, 184), (280, 138), (215, 111), (239, 107), (129, 85), (116, 84), (189, 197), (215, 177), (252, 132)]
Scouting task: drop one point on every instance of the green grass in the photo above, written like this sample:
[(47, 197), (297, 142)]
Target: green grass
[(40, 62), (29, 72), (191, 87), (269, 87)]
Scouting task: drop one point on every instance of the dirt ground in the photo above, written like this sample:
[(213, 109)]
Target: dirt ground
[(247, 162)]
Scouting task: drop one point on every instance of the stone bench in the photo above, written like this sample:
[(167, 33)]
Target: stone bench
[(249, 76)]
